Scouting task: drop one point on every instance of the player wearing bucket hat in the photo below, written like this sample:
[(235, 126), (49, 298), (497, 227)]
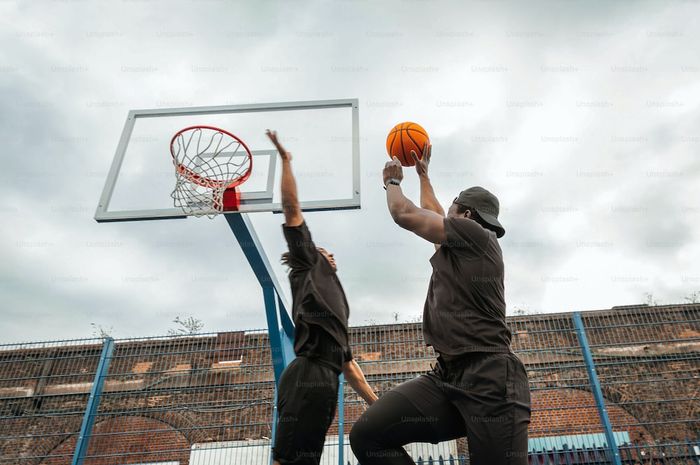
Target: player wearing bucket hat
[(485, 204), (478, 387)]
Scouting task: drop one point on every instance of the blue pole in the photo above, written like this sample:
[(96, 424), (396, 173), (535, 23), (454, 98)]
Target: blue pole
[(287, 323), (279, 343), (274, 427), (595, 386), (341, 420), (93, 402)]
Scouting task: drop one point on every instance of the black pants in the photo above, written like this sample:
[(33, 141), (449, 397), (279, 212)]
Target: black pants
[(306, 403), (484, 396)]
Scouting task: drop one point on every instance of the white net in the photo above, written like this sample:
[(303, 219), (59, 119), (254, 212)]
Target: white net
[(208, 161)]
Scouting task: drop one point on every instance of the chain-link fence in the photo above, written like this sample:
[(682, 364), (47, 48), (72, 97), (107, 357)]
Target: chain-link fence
[(608, 387)]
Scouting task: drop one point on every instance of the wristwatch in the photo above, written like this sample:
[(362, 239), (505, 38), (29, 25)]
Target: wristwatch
[(394, 181)]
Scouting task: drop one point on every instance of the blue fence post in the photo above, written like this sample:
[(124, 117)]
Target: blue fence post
[(93, 402), (595, 386), (341, 419), (274, 427)]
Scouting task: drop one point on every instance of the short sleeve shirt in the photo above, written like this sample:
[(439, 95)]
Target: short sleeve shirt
[(320, 309), (465, 307)]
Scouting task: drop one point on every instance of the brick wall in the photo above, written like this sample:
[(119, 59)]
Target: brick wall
[(162, 443), (163, 395)]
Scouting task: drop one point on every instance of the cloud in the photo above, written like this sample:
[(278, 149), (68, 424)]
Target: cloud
[(581, 119)]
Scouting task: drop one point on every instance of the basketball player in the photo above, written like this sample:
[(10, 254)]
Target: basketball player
[(308, 387), (478, 387)]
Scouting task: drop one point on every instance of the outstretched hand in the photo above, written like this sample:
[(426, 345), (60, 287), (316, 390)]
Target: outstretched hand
[(423, 162), (284, 155)]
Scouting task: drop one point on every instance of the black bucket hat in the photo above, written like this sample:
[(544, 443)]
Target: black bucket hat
[(485, 203)]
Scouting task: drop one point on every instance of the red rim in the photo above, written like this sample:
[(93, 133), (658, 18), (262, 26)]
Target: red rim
[(204, 181)]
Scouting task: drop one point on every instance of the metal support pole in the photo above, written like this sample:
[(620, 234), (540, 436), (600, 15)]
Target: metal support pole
[(595, 386), (287, 323), (93, 402), (281, 345), (274, 428), (341, 419)]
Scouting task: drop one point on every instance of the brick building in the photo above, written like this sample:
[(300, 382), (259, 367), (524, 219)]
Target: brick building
[(209, 398)]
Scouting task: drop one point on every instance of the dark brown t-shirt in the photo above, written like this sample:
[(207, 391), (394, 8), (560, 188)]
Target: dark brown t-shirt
[(465, 308), (319, 310)]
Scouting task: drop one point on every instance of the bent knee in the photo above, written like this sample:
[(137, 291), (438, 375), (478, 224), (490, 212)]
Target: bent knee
[(361, 433)]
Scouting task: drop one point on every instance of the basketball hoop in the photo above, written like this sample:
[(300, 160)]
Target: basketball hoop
[(210, 163)]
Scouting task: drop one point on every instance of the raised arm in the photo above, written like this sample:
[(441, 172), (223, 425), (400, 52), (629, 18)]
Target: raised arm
[(290, 199), (356, 380), (425, 223), (427, 194), (428, 200)]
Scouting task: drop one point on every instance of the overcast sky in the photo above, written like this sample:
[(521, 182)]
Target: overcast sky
[(582, 117)]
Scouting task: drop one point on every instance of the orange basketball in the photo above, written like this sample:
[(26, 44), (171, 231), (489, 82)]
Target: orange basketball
[(405, 137)]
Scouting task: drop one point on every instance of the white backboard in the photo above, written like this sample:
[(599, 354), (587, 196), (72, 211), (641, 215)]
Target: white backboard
[(323, 137)]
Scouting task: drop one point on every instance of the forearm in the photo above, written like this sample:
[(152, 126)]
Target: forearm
[(398, 203), (290, 199), (428, 200), (364, 390), (356, 380), (424, 222)]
